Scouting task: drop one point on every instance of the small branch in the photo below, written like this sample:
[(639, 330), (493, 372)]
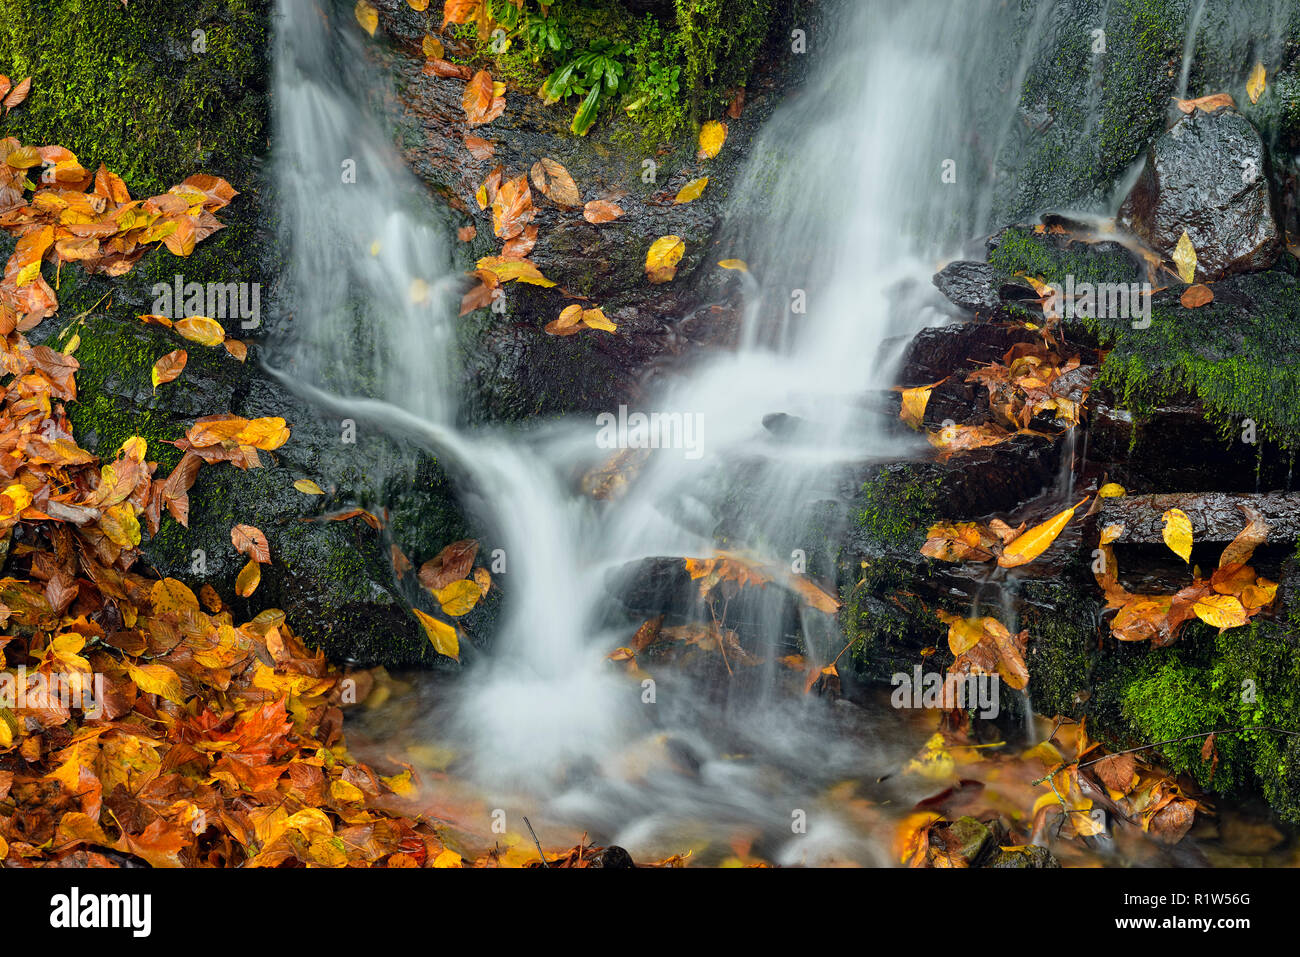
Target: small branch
[(538, 843)]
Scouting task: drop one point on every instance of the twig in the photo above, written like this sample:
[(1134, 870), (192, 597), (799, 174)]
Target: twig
[(540, 852)]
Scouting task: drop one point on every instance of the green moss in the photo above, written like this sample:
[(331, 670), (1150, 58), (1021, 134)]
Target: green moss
[(897, 508), (1021, 251), (1240, 363), (719, 40), (120, 84)]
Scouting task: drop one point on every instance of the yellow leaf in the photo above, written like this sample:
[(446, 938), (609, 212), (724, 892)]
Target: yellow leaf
[(1255, 84), (507, 270), (662, 258), (448, 858), (1259, 594), (692, 190), (121, 526), (712, 135), (172, 595), (1178, 533), (443, 636), (595, 319), (1111, 490), (342, 790), (1031, 544), (1185, 258), (1110, 533), (459, 598), (432, 47), (13, 500), (1220, 611), (248, 579), (737, 264), (157, 679), (308, 487), (201, 329), (367, 16)]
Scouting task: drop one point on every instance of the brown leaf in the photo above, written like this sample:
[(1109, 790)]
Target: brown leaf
[(554, 182), (18, 94), (1195, 296), (480, 102), (1116, 771), (451, 564), (600, 211), (250, 541), (169, 367), (479, 148)]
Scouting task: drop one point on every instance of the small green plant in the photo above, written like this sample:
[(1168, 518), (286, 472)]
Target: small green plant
[(547, 34), (598, 72)]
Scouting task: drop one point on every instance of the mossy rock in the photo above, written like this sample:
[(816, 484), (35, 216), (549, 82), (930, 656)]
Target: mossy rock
[(125, 84)]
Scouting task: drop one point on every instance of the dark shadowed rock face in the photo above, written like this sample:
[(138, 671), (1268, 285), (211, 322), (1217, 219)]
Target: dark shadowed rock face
[(1207, 175), (512, 368)]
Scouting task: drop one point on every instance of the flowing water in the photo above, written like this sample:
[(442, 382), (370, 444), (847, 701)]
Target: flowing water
[(855, 192)]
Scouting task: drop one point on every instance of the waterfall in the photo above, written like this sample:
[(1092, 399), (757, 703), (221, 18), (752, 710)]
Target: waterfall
[(855, 191)]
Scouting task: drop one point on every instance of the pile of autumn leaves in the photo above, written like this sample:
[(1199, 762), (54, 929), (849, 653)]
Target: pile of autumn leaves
[(211, 744), (511, 198)]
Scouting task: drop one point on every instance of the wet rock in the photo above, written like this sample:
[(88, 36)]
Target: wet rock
[(940, 351), (1216, 516), (612, 856), (969, 286), (1207, 176), (512, 368)]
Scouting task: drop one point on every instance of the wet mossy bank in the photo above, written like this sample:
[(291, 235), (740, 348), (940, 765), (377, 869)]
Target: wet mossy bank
[(138, 89)]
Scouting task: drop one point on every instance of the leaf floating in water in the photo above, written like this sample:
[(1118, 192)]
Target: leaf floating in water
[(737, 264), (1255, 84), (1185, 258), (1177, 533)]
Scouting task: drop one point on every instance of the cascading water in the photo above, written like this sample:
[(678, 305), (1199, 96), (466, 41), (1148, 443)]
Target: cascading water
[(854, 191), (864, 196)]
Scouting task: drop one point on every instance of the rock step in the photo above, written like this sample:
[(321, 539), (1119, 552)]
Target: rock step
[(1216, 516)]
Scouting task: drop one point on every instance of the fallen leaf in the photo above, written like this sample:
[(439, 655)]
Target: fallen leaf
[(712, 135), (554, 182), (367, 16), (662, 258), (167, 368), (1194, 297), (1034, 542), (249, 540), (1177, 533), (248, 579), (201, 329), (599, 211), (442, 635), (308, 487), (691, 191), (1185, 258)]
